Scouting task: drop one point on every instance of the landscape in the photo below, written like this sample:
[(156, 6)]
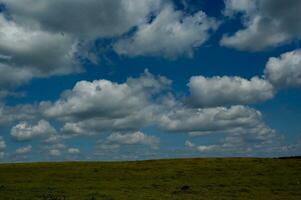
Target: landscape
[(150, 99), (215, 178)]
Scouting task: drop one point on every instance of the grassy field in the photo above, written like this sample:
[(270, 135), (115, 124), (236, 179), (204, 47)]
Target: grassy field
[(235, 178)]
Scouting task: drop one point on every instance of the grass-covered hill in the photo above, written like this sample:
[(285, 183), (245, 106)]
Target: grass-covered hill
[(222, 178)]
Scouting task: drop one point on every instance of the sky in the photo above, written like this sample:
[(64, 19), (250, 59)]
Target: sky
[(149, 79)]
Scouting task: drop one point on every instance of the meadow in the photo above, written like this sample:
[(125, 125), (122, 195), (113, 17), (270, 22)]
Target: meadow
[(212, 178)]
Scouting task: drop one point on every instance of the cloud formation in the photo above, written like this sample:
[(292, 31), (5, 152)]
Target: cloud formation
[(2, 144), (133, 138), (24, 131), (267, 23), (73, 151), (233, 120), (225, 91), (55, 152), (2, 147), (171, 34), (102, 105), (24, 150), (27, 53), (13, 114), (82, 19), (50, 38), (285, 71)]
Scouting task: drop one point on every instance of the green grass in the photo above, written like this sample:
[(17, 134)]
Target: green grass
[(224, 178)]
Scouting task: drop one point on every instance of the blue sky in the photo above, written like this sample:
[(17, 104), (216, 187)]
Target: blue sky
[(126, 80)]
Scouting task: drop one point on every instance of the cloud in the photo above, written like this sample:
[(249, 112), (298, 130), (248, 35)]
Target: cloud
[(54, 152), (202, 148), (2, 144), (225, 91), (285, 71), (24, 150), (120, 142), (171, 34), (73, 151), (83, 19), (42, 52), (24, 131), (234, 120), (101, 105), (267, 23), (46, 38), (27, 53), (2, 147), (133, 138), (12, 114), (123, 109), (239, 144)]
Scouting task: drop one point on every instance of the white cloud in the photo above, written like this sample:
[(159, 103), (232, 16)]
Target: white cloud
[(83, 19), (267, 23), (133, 138), (45, 38), (102, 105), (234, 6), (2, 144), (54, 152), (233, 144), (189, 144), (12, 114), (27, 53), (170, 34), (224, 91), (41, 53), (285, 71), (24, 131), (24, 150), (234, 120), (73, 150), (2, 147)]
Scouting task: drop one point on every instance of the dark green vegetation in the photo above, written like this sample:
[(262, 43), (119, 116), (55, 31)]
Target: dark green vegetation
[(235, 178)]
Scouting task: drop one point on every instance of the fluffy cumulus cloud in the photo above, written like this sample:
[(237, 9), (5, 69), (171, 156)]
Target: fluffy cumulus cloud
[(102, 105), (267, 23), (25, 131), (73, 151), (133, 138), (13, 114), (46, 38), (55, 152), (24, 150), (83, 19), (225, 91), (27, 53), (123, 109), (285, 71), (171, 34), (125, 140), (50, 37), (237, 120)]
